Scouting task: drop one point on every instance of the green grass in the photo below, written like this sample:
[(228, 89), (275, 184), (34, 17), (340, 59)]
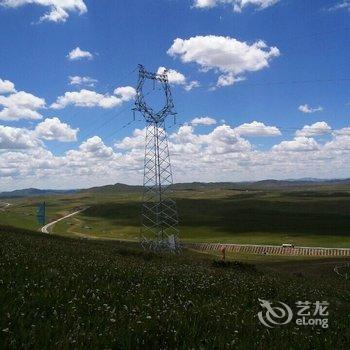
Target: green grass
[(266, 218), (63, 293), (317, 217)]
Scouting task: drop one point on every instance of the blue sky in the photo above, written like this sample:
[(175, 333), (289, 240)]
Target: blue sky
[(305, 64)]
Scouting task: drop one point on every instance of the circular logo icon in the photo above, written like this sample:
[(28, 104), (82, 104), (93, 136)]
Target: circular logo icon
[(273, 316)]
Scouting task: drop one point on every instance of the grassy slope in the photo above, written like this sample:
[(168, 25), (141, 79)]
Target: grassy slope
[(64, 293), (315, 219), (312, 217)]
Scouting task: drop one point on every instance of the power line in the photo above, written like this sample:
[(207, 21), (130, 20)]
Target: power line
[(118, 130), (93, 130), (308, 81), (106, 122), (309, 35), (123, 77), (246, 83)]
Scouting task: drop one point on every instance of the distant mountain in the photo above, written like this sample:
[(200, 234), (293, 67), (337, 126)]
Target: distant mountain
[(295, 183), (33, 192), (118, 187), (271, 184)]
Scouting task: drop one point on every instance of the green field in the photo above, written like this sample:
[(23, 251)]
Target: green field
[(63, 293), (308, 217)]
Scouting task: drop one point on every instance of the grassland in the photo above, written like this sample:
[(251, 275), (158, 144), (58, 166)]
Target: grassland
[(317, 216), (63, 293)]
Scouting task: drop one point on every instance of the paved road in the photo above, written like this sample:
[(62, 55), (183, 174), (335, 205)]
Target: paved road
[(271, 250), (45, 229)]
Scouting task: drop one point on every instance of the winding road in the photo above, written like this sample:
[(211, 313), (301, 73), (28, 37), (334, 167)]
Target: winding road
[(45, 229)]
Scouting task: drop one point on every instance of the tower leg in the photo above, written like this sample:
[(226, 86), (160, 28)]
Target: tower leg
[(159, 213)]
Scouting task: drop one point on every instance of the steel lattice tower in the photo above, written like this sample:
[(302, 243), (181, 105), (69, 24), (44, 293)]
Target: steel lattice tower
[(159, 218)]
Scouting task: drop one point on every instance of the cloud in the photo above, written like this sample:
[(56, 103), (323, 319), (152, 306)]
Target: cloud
[(77, 80), (257, 129), (58, 9), (21, 105), (6, 87), (174, 77), (95, 148), (191, 85), (17, 138), (177, 78), (195, 157), (125, 93), (223, 139), (316, 129), (299, 144), (89, 98), (21, 138), (54, 129), (342, 5), (343, 132), (78, 54), (238, 5), (229, 56), (228, 79), (203, 121), (339, 143), (306, 109), (136, 141)]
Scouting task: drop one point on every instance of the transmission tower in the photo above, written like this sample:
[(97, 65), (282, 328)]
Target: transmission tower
[(159, 218), (41, 213)]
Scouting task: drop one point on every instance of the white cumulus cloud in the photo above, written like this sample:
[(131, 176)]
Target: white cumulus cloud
[(237, 5), (203, 121), (95, 147), (257, 129), (343, 131), (58, 10), (77, 80), (177, 78), (6, 87), (229, 56), (299, 144), (78, 54), (195, 157), (21, 105), (17, 138), (54, 129), (89, 98), (306, 109), (316, 129), (125, 93)]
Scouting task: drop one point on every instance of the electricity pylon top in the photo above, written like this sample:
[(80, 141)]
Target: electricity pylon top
[(140, 103)]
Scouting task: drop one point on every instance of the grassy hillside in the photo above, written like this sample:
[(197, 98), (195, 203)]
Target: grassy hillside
[(309, 217), (316, 218), (64, 293)]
